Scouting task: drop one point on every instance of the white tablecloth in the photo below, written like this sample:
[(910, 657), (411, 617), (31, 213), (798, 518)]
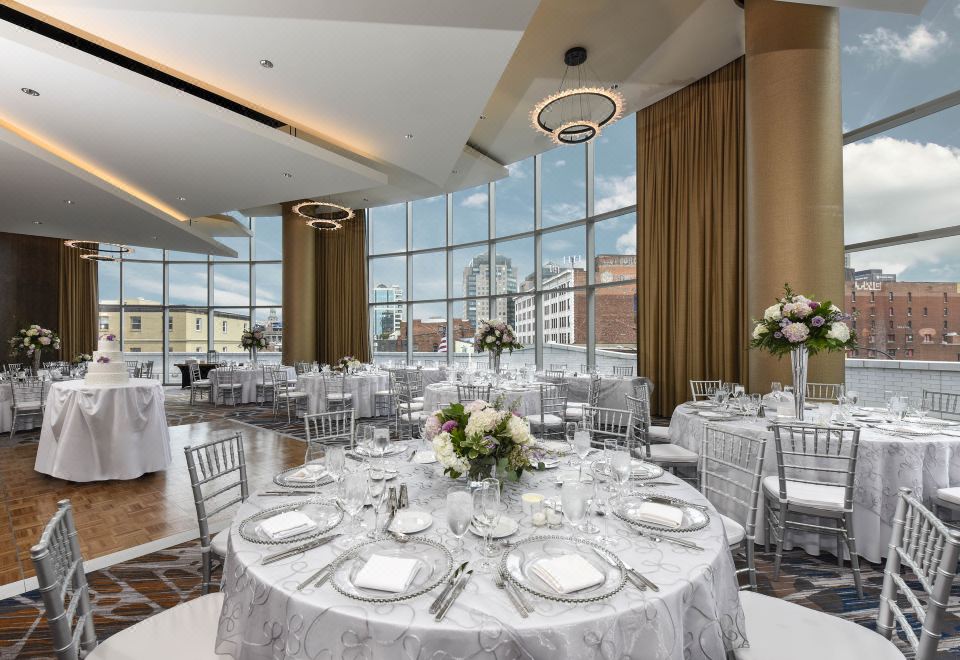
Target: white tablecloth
[(696, 611), (526, 397), (612, 390), (885, 463), (363, 387), (249, 379), (92, 433)]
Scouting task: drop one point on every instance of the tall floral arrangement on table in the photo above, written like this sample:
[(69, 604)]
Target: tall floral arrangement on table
[(802, 326), (479, 439), (495, 337), (32, 341), (254, 339), (347, 363)]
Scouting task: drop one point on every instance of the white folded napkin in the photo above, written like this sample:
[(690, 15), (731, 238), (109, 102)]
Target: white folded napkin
[(424, 457), (567, 573), (384, 573), (308, 474), (660, 514), (286, 524)]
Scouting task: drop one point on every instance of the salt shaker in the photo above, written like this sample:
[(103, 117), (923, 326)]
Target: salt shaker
[(404, 500), (393, 502)]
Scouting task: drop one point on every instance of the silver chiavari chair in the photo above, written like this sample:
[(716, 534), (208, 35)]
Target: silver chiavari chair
[(301, 367), (198, 383), (624, 370), (700, 389), (334, 392), (469, 393), (415, 379), (824, 392), (337, 426), (574, 412), (731, 465), (548, 423), (133, 368), (943, 403), (641, 390), (27, 400), (409, 412), (285, 394), (609, 428), (146, 369), (555, 375), (557, 367), (265, 385), (663, 452), (815, 472), (228, 384), (218, 471)]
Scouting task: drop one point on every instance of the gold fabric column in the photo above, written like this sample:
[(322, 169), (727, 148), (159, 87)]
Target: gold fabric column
[(342, 293), (794, 168), (300, 318), (78, 304)]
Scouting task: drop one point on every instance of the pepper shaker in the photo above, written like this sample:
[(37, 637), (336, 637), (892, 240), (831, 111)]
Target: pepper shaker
[(392, 499), (404, 500)]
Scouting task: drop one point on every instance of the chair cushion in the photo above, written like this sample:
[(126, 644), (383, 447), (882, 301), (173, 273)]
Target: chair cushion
[(188, 630), (548, 420), (418, 399), (574, 413), (735, 531), (951, 494), (821, 496), (659, 433), (382, 393), (230, 386), (575, 404), (413, 406), (338, 397), (27, 405), (201, 383), (219, 542), (414, 416), (667, 453), (292, 395), (780, 629)]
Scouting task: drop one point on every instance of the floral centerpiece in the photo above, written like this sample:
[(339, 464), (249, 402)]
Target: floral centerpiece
[(32, 341), (801, 326), (480, 439), (253, 340), (495, 337), (82, 357), (347, 364)]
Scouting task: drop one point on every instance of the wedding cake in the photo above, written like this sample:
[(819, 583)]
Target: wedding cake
[(107, 367)]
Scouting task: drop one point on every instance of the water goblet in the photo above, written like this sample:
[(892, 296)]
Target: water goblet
[(486, 514), (574, 496), (352, 495), (569, 432), (459, 517), (378, 491), (335, 458), (601, 498), (622, 469), (582, 445)]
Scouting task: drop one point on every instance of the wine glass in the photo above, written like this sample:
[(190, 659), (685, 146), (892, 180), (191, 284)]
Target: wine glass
[(335, 458), (486, 514), (581, 444), (601, 498), (622, 469), (381, 441), (776, 389), (459, 516), (314, 456), (574, 496), (353, 495), (378, 489), (569, 432)]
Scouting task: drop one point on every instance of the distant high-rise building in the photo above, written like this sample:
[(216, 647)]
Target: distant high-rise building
[(477, 282), (388, 317)]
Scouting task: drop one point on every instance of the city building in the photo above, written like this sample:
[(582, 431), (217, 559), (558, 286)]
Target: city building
[(387, 319), (476, 282)]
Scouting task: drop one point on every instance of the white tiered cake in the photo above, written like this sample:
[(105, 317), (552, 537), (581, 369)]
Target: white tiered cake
[(107, 367)]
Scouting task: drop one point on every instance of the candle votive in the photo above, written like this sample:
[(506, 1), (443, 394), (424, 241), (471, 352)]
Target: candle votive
[(530, 503)]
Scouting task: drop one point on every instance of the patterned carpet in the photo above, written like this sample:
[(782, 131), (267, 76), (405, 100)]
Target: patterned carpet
[(131, 591)]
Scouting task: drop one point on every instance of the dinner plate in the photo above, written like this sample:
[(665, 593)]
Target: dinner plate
[(931, 421), (550, 463), (626, 508), (410, 521), (520, 557), (702, 404), (326, 514), (504, 528), (284, 478), (716, 416), (906, 429), (424, 457), (434, 564), (392, 450), (641, 470), (555, 447)]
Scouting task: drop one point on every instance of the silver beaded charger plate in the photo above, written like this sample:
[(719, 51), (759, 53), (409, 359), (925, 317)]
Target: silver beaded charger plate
[(906, 429), (627, 510), (640, 470), (284, 478), (327, 515), (518, 560), (434, 564), (392, 449)]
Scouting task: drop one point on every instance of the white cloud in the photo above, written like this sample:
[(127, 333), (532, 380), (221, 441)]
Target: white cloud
[(627, 242), (918, 46), (956, 10), (475, 200), (615, 192), (517, 170), (560, 163)]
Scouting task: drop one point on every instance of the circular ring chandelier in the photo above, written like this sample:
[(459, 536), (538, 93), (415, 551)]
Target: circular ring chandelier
[(99, 250), (325, 216), (576, 115)]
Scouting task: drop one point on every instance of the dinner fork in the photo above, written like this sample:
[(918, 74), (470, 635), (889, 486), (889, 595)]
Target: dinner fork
[(501, 584)]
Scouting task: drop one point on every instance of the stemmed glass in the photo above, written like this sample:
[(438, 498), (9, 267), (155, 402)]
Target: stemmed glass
[(486, 514), (335, 458), (601, 498), (622, 469), (459, 517), (314, 456), (569, 433), (574, 496), (581, 444), (353, 495), (381, 441), (378, 489)]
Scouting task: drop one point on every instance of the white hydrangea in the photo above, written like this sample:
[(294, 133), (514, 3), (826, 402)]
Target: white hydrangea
[(447, 457), (773, 313), (519, 430), (839, 331), (483, 421), (760, 330)]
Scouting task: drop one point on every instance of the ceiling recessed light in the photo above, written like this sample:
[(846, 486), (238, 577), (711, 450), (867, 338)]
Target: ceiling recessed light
[(154, 237), (483, 116), (408, 136), (455, 171), (266, 64), (68, 201), (365, 199), (288, 175), (37, 222), (181, 198), (29, 92)]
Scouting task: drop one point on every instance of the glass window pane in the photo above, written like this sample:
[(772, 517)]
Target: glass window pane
[(564, 250), (514, 265), (188, 284), (514, 196), (562, 175), (143, 332), (465, 326), (187, 331), (228, 325), (173, 255), (471, 220), (388, 229), (386, 324), (388, 279), (616, 249), (145, 254), (429, 330), (142, 283), (240, 244), (271, 318), (616, 331), (428, 276), (564, 313), (469, 271), (108, 281), (231, 285), (510, 308), (268, 238), (615, 166), (269, 279), (429, 222)]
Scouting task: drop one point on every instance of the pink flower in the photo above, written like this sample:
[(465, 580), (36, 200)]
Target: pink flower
[(449, 425), (796, 332)]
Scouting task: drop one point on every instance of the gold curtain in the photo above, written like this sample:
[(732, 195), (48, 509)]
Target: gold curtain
[(690, 237), (342, 293), (77, 325)]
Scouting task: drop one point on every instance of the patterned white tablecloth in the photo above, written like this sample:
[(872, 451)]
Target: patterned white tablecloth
[(885, 463), (363, 387), (612, 390), (440, 395), (696, 614), (97, 432), (249, 379)]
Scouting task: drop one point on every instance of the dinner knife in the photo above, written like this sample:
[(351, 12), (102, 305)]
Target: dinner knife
[(512, 588), (681, 542), (303, 585), (289, 552), (457, 590), (632, 575), (640, 576), (435, 605), (386, 525)]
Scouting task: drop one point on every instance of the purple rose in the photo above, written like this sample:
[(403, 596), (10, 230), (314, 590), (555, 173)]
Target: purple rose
[(784, 323), (817, 321), (778, 335), (813, 304), (449, 426)]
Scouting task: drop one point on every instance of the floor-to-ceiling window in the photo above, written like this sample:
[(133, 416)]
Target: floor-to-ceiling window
[(167, 306), (901, 160), (551, 249)]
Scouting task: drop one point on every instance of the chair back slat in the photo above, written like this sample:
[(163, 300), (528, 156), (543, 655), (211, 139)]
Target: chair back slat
[(824, 392), (221, 461), (468, 393), (639, 406), (609, 427), (332, 426), (942, 403), (555, 375), (624, 370), (731, 468), (923, 545), (59, 567), (817, 455), (700, 389)]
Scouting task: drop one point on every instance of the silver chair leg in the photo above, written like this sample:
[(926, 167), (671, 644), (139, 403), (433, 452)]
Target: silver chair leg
[(854, 560), (751, 564), (839, 547), (782, 530), (207, 570)]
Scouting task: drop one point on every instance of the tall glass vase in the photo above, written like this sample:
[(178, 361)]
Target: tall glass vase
[(798, 361), (253, 355), (36, 361), (495, 362)]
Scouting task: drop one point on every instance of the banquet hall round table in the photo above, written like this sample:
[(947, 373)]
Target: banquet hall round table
[(362, 386), (696, 613), (885, 463), (248, 378), (98, 432), (527, 397)]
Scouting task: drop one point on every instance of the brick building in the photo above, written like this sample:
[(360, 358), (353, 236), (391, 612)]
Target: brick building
[(427, 335), (903, 320)]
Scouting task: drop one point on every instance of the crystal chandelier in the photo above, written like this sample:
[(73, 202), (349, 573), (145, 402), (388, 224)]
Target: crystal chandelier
[(576, 115), (99, 250), (325, 216)]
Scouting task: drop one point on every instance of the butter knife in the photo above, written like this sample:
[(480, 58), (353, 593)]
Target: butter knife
[(435, 605), (457, 590), (289, 552), (643, 579)]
